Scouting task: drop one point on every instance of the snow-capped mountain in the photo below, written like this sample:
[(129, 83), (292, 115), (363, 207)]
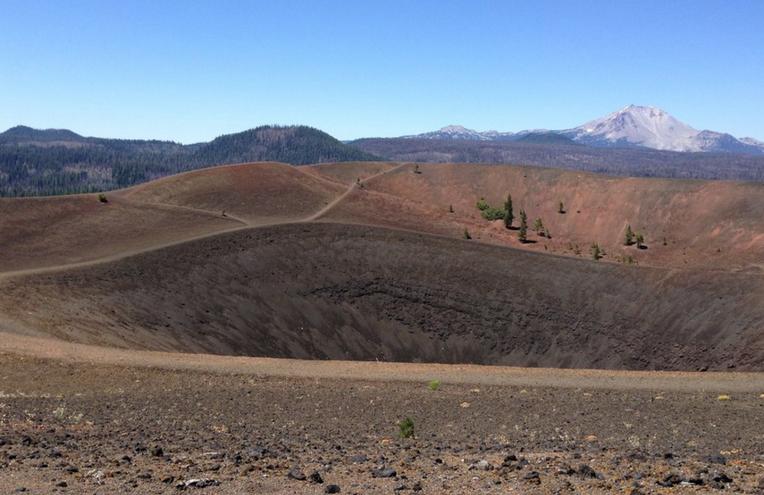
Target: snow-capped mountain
[(460, 132), (632, 126), (751, 141), (651, 127)]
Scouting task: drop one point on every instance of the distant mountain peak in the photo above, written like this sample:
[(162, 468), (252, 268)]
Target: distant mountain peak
[(653, 127), (459, 132), (642, 126), (22, 133), (454, 129)]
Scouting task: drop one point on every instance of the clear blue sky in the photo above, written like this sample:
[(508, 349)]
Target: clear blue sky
[(189, 71)]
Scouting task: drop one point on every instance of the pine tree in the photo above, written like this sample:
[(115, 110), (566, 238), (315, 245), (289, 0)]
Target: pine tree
[(509, 216), (629, 237), (561, 209), (538, 226), (450, 208), (640, 241), (523, 234)]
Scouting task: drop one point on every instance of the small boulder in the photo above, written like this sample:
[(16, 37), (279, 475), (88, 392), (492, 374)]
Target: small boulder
[(315, 477), (481, 465), (296, 474), (384, 473)]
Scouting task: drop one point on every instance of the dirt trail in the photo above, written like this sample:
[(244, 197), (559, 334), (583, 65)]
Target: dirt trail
[(353, 186), (728, 383)]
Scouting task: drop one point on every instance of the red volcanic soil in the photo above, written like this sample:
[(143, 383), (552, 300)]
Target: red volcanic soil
[(255, 193), (47, 232), (159, 273), (685, 223)]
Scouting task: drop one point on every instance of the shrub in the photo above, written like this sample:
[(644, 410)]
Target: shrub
[(102, 198), (492, 213), (450, 208), (406, 428), (538, 226), (467, 234), (482, 204), (561, 209), (596, 251), (434, 385)]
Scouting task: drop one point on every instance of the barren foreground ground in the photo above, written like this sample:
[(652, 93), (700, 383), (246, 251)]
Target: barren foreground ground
[(78, 421)]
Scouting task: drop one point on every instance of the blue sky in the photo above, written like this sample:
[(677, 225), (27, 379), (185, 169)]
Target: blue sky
[(189, 71)]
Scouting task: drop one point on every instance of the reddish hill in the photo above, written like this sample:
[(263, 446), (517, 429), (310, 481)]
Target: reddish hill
[(52, 231), (257, 193)]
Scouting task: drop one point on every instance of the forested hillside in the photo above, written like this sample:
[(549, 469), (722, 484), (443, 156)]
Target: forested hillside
[(47, 162), (543, 151)]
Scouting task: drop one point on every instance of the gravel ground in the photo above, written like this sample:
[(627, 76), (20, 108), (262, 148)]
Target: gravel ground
[(70, 426)]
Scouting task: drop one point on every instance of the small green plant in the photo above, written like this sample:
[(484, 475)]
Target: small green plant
[(596, 251), (406, 428), (561, 209), (63, 416), (628, 238), (467, 234), (482, 204), (102, 198), (434, 385), (59, 413), (523, 233)]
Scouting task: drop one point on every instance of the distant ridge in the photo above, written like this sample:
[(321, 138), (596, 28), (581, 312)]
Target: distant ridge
[(59, 161)]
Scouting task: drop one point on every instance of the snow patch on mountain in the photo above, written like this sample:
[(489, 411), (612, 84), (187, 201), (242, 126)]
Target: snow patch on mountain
[(634, 125), (631, 126)]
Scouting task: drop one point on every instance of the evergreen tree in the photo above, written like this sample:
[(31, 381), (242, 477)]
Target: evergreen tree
[(523, 234), (538, 226), (561, 208), (467, 234), (450, 208), (629, 237), (640, 241), (509, 216)]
